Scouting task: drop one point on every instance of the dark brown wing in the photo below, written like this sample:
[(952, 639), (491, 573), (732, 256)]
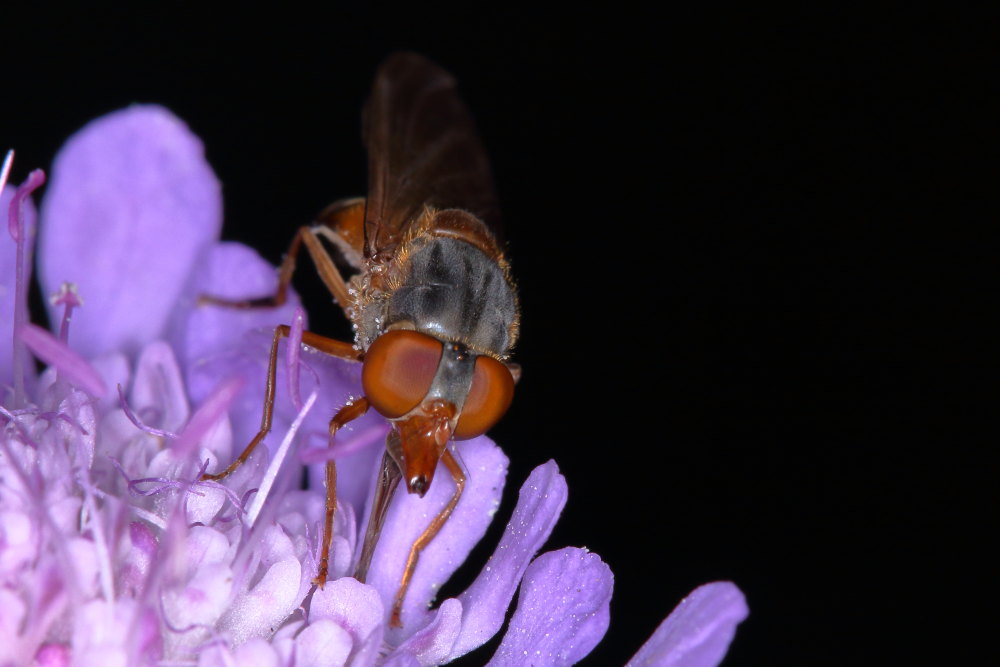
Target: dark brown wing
[(423, 149)]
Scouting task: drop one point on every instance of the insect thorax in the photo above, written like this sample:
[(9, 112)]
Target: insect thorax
[(449, 289)]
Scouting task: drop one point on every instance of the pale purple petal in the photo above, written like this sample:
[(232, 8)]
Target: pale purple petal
[(210, 419), (131, 206), (199, 590), (157, 396), (12, 612), (71, 366), (697, 633), (254, 653), (139, 549), (410, 515), (98, 637), (562, 610), (18, 538), (114, 369), (432, 644), (83, 554), (258, 611), (322, 644), (541, 500), (355, 606), (204, 546), (201, 600), (201, 332), (284, 645), (77, 427)]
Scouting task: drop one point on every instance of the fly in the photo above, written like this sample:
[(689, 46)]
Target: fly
[(429, 294)]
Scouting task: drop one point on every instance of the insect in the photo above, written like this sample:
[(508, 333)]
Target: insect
[(429, 293)]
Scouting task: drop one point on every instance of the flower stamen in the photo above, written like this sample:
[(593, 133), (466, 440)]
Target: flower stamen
[(22, 273), (69, 298), (132, 417)]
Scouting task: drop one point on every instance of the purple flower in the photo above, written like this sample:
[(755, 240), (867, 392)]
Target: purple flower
[(112, 551)]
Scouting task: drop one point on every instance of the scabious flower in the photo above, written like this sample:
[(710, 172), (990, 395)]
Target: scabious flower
[(112, 549)]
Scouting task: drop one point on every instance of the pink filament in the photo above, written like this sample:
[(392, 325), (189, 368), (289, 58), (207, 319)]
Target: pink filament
[(15, 225)]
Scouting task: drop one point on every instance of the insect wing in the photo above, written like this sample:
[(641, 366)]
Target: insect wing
[(423, 150)]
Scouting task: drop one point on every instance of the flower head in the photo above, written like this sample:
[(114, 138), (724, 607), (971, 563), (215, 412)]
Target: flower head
[(113, 550)]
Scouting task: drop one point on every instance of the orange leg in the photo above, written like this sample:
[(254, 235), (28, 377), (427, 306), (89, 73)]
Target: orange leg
[(348, 413), (427, 536), (324, 264), (330, 346), (341, 223)]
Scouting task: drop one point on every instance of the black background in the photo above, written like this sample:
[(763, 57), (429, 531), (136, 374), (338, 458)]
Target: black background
[(752, 255)]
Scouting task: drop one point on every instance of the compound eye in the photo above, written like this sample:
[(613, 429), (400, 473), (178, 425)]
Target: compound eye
[(489, 397), (398, 370)]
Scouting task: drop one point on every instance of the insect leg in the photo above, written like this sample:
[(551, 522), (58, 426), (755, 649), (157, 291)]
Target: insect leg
[(340, 223), (330, 346), (428, 535), (348, 413)]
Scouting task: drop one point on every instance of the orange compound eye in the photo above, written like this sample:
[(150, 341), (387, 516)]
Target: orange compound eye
[(489, 397), (398, 370)]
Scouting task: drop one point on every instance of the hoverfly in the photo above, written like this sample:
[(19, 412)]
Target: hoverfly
[(430, 296)]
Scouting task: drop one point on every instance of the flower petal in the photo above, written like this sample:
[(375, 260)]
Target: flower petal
[(410, 515), (541, 500), (131, 205), (323, 644), (138, 549), (354, 606), (83, 555), (204, 546), (431, 645), (18, 536), (358, 609), (56, 354), (254, 653), (114, 370), (259, 610), (697, 633), (99, 639), (562, 611), (196, 604), (157, 394), (12, 611), (202, 332)]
